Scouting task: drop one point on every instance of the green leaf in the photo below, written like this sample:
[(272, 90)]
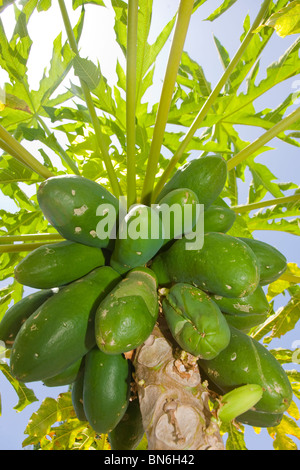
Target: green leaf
[(78, 3), (4, 4), (222, 8), (87, 71), (25, 395), (236, 437), (287, 20), (281, 434)]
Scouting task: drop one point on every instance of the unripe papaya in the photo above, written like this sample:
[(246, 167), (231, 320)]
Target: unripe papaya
[(61, 331), (195, 321), (106, 389), (74, 206), (179, 212), (140, 237), (57, 264), (239, 401), (245, 312), (127, 315), (224, 265), (206, 176), (246, 361), (218, 219), (16, 315), (66, 377), (260, 419), (272, 263), (77, 397), (129, 431)]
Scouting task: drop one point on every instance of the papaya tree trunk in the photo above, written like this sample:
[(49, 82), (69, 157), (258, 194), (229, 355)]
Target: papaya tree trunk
[(173, 401)]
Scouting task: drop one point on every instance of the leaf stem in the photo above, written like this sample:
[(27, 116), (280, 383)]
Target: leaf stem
[(90, 105), (272, 202), (24, 156), (131, 99), (28, 236), (210, 100), (17, 248), (181, 29), (263, 139)]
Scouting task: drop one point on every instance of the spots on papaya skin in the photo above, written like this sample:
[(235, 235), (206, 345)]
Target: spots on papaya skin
[(93, 233), (81, 210), (78, 229), (73, 192)]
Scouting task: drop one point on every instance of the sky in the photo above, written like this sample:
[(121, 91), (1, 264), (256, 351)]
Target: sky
[(98, 44)]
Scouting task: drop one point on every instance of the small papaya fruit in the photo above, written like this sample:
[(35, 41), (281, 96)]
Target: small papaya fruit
[(238, 401), (106, 389), (225, 265), (77, 397), (272, 263), (129, 431), (179, 212), (57, 264), (75, 205), (18, 313), (246, 361), (195, 321), (206, 176), (140, 237), (245, 312), (127, 315), (218, 219), (61, 331), (260, 419), (66, 377)]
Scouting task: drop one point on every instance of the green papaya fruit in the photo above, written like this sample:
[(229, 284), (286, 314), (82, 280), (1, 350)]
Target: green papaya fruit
[(272, 263), (106, 389), (179, 212), (75, 205), (206, 176), (127, 315), (18, 313), (66, 377), (238, 401), (129, 431), (56, 264), (224, 265), (260, 419), (218, 219), (195, 321), (246, 361), (140, 237), (61, 331), (245, 312), (77, 397)]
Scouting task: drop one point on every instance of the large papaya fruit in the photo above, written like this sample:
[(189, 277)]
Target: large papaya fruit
[(224, 265), (260, 419), (127, 315), (272, 263), (66, 377), (129, 431), (18, 313), (57, 264), (206, 176), (218, 219), (179, 212), (245, 312), (246, 361), (140, 237), (61, 331), (106, 389), (195, 321), (74, 206)]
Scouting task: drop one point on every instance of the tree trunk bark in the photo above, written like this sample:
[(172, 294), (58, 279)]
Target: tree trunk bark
[(173, 401)]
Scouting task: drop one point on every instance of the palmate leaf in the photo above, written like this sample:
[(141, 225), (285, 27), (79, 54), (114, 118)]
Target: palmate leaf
[(25, 395), (222, 8), (281, 434), (287, 20)]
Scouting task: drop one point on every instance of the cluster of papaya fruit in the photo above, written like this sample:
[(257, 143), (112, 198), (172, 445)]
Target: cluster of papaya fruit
[(99, 297)]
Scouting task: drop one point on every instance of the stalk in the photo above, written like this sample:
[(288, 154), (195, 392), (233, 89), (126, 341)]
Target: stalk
[(173, 401), (264, 139), (210, 100), (181, 28), (131, 99), (18, 248), (272, 202), (32, 237), (22, 155), (90, 105)]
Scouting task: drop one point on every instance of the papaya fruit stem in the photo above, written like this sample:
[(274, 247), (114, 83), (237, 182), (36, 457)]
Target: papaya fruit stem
[(18, 248), (181, 29), (102, 147), (210, 100), (32, 237), (272, 202)]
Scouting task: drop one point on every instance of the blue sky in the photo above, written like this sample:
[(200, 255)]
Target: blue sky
[(283, 161)]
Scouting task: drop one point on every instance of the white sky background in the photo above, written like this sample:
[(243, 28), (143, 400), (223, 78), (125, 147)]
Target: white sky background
[(98, 43)]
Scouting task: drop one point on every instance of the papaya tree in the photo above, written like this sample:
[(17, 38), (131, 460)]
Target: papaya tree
[(155, 345)]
